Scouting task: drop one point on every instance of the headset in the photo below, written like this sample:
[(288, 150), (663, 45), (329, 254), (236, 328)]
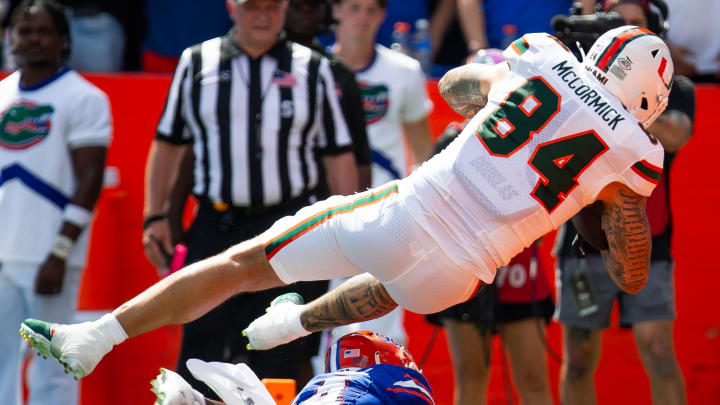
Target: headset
[(658, 21)]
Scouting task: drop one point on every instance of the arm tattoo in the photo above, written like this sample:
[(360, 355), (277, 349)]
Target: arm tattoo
[(361, 298), (462, 90), (628, 258)]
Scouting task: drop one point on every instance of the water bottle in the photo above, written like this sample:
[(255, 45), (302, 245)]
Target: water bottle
[(510, 34), (401, 37), (421, 45)]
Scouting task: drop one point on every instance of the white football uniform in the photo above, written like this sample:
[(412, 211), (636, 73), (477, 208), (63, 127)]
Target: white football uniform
[(393, 92), (548, 141), (39, 128)]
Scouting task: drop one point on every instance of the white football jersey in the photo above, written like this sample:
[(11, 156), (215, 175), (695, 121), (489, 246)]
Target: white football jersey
[(393, 93), (549, 140), (39, 128)]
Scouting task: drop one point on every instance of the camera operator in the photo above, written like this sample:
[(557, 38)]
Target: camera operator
[(651, 312), (583, 27)]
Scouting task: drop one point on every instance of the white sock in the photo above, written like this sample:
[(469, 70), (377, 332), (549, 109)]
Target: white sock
[(110, 329), (293, 322)]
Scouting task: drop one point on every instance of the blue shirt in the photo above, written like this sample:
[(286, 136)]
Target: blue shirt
[(508, 20), (407, 11), (178, 24)]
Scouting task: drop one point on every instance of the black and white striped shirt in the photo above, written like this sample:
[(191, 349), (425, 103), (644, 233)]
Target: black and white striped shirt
[(253, 122)]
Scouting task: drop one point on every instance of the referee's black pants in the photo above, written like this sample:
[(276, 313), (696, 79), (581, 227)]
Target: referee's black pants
[(217, 335)]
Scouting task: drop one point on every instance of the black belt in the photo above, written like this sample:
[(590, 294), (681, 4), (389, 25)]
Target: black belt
[(293, 203)]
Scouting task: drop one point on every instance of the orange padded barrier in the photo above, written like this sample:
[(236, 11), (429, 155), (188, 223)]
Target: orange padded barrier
[(283, 390)]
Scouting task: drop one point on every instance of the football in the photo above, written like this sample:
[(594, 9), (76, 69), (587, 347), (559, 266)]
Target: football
[(587, 223)]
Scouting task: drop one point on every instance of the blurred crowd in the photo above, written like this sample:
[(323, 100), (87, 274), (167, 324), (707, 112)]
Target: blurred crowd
[(378, 107), (150, 35)]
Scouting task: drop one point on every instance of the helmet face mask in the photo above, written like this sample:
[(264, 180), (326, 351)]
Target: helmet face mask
[(365, 348), (635, 66)]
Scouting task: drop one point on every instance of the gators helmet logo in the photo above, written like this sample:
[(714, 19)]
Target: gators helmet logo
[(24, 124)]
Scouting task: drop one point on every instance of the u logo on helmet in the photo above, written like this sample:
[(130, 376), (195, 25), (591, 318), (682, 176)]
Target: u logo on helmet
[(661, 71)]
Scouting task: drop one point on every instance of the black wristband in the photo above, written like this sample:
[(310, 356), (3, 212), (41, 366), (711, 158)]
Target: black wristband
[(152, 218)]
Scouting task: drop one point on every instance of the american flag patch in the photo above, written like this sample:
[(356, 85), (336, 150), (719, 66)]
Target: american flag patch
[(350, 353), (284, 79)]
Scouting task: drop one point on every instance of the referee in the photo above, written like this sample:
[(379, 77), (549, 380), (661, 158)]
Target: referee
[(305, 20), (253, 107)]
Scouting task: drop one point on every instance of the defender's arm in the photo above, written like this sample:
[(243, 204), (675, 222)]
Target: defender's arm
[(466, 88), (625, 224)]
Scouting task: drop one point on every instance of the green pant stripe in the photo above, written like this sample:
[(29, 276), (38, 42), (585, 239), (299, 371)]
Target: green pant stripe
[(274, 246)]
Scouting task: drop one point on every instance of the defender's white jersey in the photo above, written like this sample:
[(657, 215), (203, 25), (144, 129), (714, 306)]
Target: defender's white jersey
[(39, 128), (548, 141), (393, 92)]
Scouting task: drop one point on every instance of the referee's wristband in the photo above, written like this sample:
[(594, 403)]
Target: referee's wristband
[(152, 218)]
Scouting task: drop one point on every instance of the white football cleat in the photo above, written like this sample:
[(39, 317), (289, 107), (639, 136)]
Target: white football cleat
[(78, 347)]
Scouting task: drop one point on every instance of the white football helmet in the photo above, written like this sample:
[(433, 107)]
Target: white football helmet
[(634, 65)]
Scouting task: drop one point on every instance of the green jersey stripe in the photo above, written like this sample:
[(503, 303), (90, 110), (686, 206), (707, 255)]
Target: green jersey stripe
[(647, 171), (520, 45)]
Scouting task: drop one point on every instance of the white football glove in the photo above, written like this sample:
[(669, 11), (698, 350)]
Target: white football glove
[(281, 324), (171, 389)]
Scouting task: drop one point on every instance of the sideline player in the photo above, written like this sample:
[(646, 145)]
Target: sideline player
[(556, 135), (55, 128), (362, 368)]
